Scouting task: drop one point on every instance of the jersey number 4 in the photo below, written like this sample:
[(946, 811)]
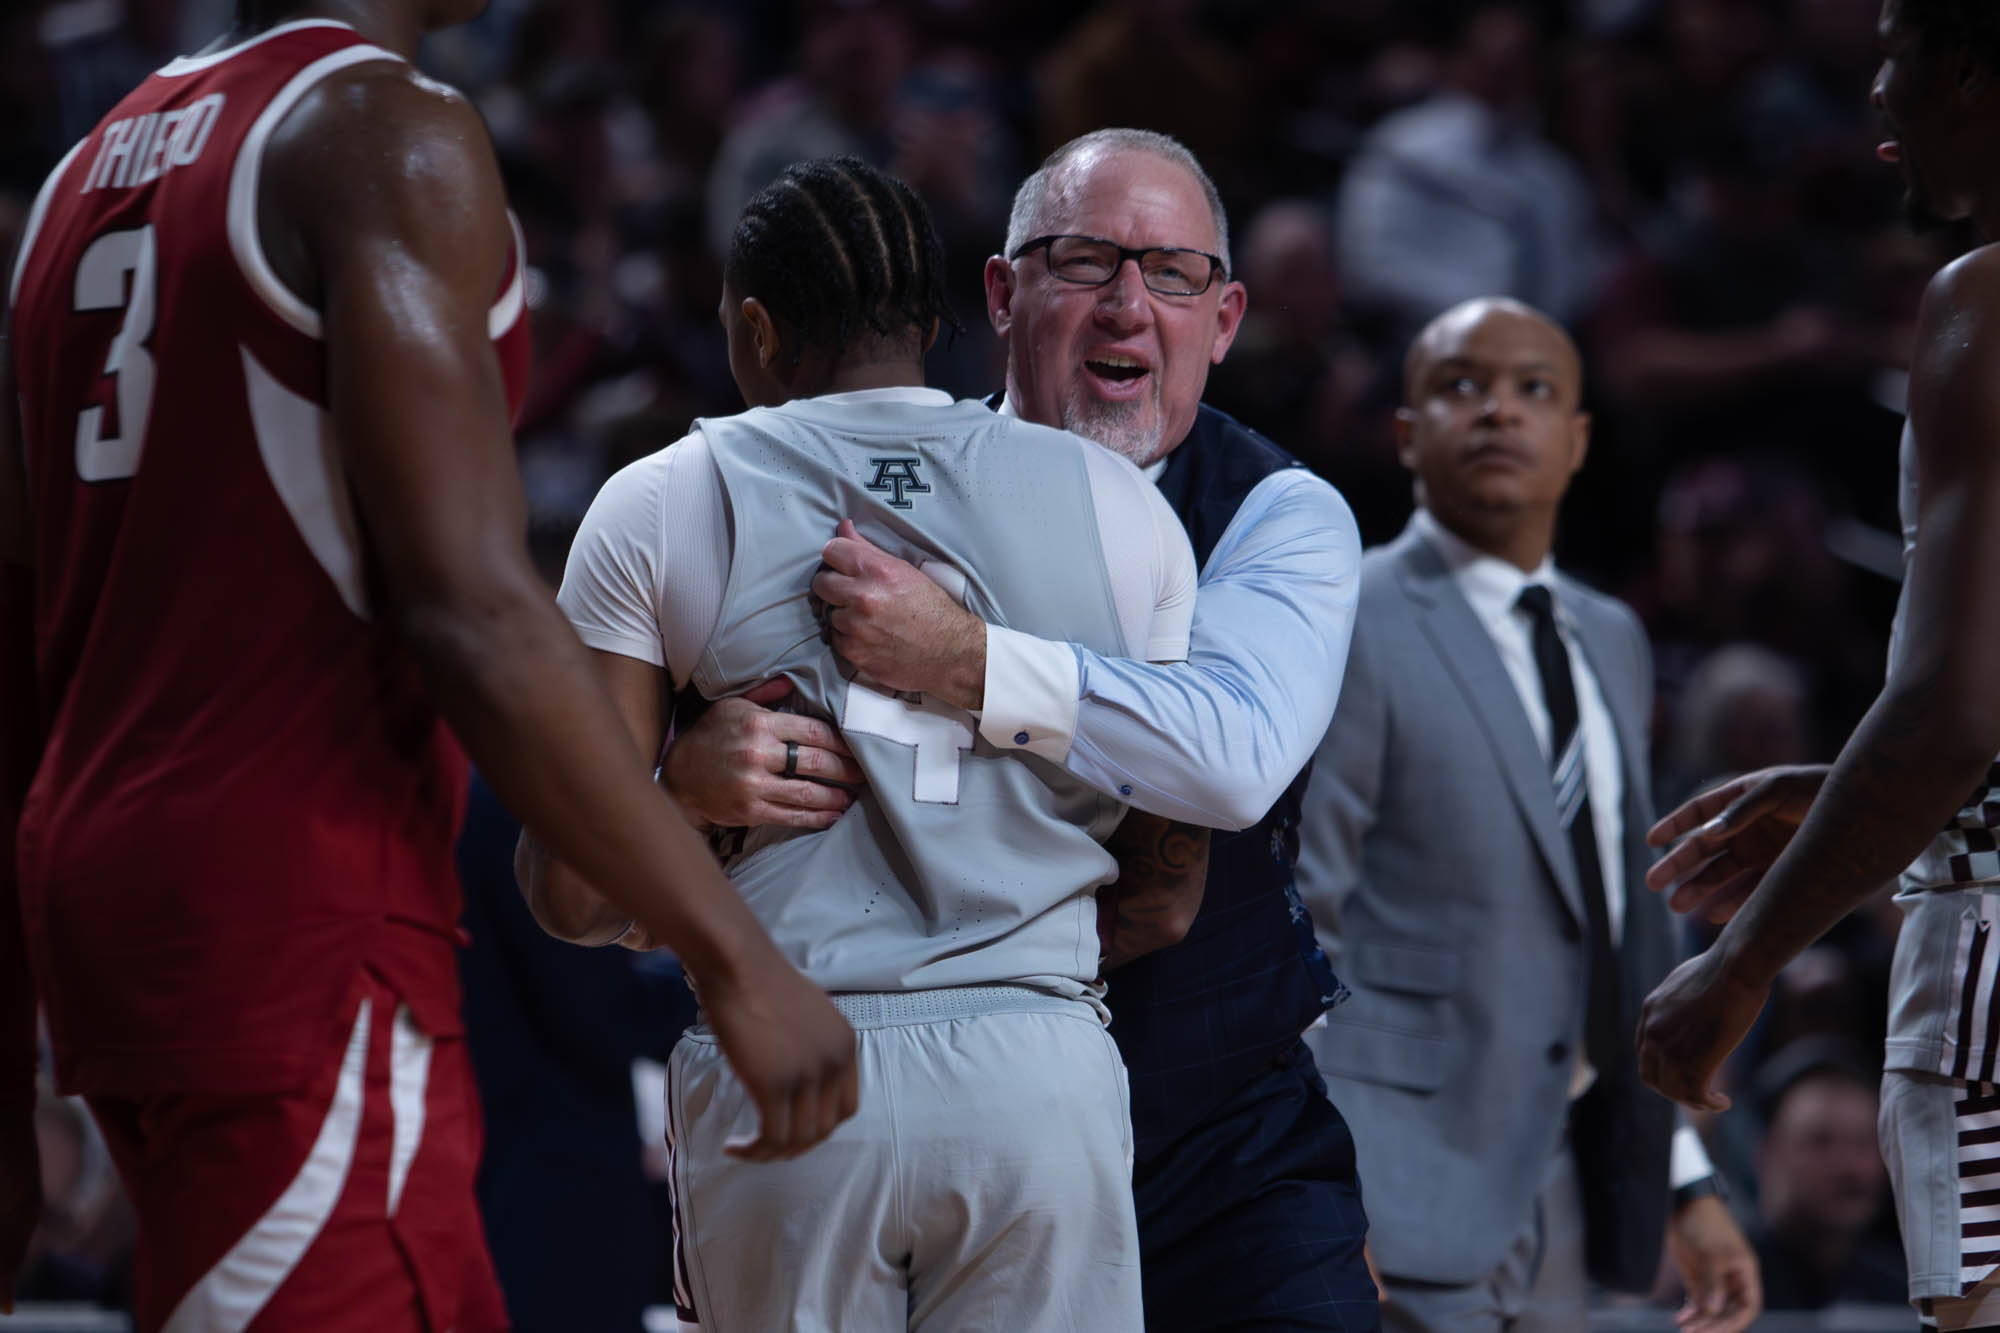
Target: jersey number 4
[(101, 285), (937, 732)]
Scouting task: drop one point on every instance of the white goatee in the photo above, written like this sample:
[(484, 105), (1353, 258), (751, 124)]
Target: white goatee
[(1125, 428)]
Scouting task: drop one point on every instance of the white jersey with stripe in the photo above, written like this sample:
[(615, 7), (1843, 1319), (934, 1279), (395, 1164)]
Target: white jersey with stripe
[(1944, 990)]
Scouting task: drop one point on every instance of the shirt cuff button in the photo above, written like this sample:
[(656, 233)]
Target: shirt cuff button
[(1020, 738), (1125, 789)]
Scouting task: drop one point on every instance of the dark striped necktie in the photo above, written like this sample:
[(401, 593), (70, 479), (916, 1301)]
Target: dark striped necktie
[(1603, 1024)]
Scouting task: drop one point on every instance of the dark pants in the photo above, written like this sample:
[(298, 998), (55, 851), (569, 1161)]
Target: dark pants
[(1252, 1220)]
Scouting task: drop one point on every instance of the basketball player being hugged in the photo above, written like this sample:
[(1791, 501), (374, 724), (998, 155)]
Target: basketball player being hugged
[(953, 911), (260, 521)]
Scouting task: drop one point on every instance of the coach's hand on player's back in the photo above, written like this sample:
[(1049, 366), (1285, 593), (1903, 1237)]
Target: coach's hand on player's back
[(744, 765), (897, 625), (793, 1051)]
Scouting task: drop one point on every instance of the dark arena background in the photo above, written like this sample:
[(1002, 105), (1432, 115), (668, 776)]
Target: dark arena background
[(1689, 185)]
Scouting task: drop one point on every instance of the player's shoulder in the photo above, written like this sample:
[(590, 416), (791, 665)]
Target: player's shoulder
[(1951, 403), (391, 91), (1969, 283), (356, 119), (1102, 468), (378, 152), (1958, 322), (648, 473), (1033, 434), (633, 498)]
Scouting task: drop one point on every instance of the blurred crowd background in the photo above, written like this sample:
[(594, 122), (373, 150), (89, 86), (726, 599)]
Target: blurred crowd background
[(1689, 184)]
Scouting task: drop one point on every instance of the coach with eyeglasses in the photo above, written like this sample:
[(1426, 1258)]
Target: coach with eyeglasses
[(1114, 298)]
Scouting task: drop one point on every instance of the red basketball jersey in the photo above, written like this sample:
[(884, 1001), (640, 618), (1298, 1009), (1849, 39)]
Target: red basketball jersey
[(245, 799)]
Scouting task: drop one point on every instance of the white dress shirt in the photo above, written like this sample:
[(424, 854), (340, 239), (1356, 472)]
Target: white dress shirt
[(1492, 587)]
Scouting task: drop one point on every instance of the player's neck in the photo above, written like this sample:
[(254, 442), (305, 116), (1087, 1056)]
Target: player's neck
[(890, 374), (392, 26)]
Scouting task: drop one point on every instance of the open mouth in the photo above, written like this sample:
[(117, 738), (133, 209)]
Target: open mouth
[(1117, 369), (1889, 150), (1115, 376)]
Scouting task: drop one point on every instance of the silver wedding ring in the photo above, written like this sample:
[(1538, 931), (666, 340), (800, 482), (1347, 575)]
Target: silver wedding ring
[(791, 759)]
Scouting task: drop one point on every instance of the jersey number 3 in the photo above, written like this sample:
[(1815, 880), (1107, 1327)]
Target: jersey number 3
[(101, 285)]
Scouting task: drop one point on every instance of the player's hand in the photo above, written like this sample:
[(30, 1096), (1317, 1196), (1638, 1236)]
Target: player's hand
[(729, 768), (1725, 1291), (793, 1051), (1690, 1024), (1729, 837), (20, 1193), (898, 626)]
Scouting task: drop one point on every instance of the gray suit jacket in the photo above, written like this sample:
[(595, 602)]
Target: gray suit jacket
[(1446, 894)]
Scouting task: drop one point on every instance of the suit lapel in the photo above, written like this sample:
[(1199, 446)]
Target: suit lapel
[(1468, 654)]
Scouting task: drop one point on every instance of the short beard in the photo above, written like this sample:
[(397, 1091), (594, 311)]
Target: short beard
[(1119, 427)]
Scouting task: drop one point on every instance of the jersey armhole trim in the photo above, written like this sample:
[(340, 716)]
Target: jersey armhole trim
[(244, 239), (182, 66), (35, 216), (506, 311)]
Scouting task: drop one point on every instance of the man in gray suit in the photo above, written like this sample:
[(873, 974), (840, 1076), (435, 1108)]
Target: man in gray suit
[(1474, 856)]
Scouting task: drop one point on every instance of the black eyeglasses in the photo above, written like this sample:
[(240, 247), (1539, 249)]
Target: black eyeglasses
[(1092, 261)]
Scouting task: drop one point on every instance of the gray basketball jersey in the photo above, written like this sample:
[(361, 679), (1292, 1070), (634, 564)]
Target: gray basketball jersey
[(960, 864), (1944, 1013)]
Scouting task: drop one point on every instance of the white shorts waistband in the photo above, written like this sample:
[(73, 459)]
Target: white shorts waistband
[(876, 1009)]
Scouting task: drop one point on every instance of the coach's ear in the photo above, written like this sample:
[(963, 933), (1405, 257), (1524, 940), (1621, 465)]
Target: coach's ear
[(1229, 308), (1000, 294)]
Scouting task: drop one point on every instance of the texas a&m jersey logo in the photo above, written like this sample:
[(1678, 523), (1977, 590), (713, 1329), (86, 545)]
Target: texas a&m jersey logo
[(898, 478)]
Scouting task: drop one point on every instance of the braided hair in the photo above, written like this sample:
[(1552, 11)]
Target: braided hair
[(835, 245)]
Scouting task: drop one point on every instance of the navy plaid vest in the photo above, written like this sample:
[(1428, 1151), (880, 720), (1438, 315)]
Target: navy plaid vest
[(1199, 1020)]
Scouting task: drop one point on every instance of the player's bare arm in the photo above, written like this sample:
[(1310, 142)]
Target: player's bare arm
[(1162, 868), (401, 240), (565, 904), (1928, 739), (20, 1159)]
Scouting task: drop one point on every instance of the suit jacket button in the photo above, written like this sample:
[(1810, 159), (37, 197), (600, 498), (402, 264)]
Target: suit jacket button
[(1558, 1052)]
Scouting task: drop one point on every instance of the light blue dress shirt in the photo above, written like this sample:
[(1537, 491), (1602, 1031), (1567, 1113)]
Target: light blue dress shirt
[(1217, 739)]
